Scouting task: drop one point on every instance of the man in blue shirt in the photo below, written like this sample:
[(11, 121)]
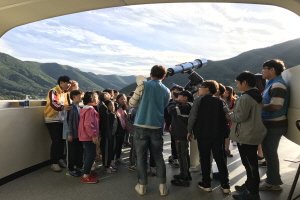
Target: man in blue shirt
[(152, 97)]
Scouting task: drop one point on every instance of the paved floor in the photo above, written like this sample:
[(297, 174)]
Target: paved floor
[(44, 184)]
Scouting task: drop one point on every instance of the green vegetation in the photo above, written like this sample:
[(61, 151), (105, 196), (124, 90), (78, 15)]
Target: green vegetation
[(225, 71), (19, 78)]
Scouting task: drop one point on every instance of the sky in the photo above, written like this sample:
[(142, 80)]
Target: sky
[(130, 40)]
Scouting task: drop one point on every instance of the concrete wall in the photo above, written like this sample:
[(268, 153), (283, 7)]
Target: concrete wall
[(24, 139)]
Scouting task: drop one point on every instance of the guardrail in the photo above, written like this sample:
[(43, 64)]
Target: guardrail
[(4, 104)]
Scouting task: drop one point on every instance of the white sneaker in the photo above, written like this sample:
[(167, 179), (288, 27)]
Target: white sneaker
[(163, 189), (268, 187), (62, 163), (95, 167), (55, 168), (141, 189), (120, 161)]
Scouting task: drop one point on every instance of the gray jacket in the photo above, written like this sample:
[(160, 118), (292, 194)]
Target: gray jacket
[(247, 126)]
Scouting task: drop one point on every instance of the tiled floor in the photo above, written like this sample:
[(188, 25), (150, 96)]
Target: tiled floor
[(45, 184)]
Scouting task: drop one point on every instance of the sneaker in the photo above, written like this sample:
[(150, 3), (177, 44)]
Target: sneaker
[(95, 167), (225, 188), (120, 161), (234, 143), (153, 171), (196, 169), (179, 176), (166, 133), (141, 189), (246, 196), (176, 163), (110, 170), (89, 179), (113, 165), (263, 164), (79, 170), (72, 173), (171, 159), (55, 168), (62, 163), (204, 186), (98, 158), (266, 186), (93, 173), (241, 188), (260, 160), (180, 182), (131, 168), (229, 154), (163, 189)]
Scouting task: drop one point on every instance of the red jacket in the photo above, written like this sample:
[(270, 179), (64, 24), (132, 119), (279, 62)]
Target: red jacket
[(88, 124)]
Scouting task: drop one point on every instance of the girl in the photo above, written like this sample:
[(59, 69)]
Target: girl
[(122, 127), (88, 132)]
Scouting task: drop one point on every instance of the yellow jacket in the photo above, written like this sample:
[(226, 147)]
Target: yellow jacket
[(54, 105)]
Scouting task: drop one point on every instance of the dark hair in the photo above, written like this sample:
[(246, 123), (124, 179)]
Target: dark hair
[(231, 93), (158, 71), (106, 102), (260, 82), (102, 96), (277, 64), (118, 97), (63, 79), (248, 77), (212, 85), (108, 90), (131, 93), (115, 91), (176, 87), (74, 93), (88, 97), (221, 89)]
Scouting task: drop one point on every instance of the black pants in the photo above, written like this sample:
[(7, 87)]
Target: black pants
[(248, 155), (107, 147), (173, 148), (57, 146), (118, 146), (75, 154), (182, 147), (217, 148)]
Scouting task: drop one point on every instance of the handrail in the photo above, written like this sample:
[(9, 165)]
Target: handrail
[(5, 104)]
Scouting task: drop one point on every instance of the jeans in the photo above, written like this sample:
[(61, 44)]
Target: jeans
[(269, 146), (90, 153), (248, 155), (145, 139), (182, 148), (57, 146), (75, 154), (217, 148)]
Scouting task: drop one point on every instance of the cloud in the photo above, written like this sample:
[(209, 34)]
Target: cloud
[(130, 40)]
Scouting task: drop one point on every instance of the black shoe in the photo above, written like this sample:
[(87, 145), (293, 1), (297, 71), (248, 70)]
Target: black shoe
[(225, 188), (229, 154), (246, 196), (179, 176), (241, 188), (205, 186), (180, 182), (264, 164), (171, 159)]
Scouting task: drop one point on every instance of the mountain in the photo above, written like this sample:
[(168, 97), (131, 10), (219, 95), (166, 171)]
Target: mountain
[(19, 78), (225, 71)]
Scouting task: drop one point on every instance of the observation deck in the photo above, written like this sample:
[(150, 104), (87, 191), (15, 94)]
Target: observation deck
[(25, 142)]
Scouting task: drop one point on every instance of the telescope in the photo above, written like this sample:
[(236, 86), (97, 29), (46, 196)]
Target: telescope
[(189, 67)]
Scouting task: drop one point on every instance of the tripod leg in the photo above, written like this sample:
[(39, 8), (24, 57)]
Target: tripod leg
[(294, 184)]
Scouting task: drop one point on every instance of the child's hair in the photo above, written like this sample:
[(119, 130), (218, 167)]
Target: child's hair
[(248, 77), (212, 85), (277, 64), (158, 71), (102, 96), (63, 79), (118, 97), (231, 93), (107, 102), (221, 89), (88, 97), (115, 91), (75, 93), (176, 87), (260, 82), (108, 90)]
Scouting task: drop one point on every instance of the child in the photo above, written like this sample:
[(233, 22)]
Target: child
[(121, 130), (209, 125), (132, 155), (74, 146), (180, 109), (108, 137), (88, 132), (248, 131)]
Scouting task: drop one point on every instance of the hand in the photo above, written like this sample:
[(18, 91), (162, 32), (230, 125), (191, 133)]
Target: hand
[(70, 138), (227, 115), (189, 137), (170, 128), (95, 140), (67, 107)]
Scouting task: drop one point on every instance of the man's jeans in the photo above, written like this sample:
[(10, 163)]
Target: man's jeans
[(269, 146), (144, 139)]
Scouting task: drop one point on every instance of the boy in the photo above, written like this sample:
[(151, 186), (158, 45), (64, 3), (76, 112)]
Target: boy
[(180, 109), (74, 146), (209, 125), (248, 131), (57, 103)]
